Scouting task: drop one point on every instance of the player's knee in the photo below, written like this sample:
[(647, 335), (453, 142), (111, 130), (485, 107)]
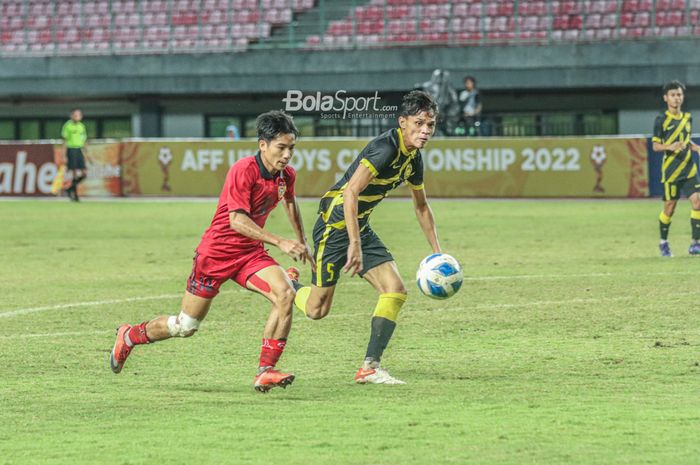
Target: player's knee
[(397, 288), (314, 314), (400, 289), (392, 286), (285, 297), (182, 325), (318, 315), (319, 311)]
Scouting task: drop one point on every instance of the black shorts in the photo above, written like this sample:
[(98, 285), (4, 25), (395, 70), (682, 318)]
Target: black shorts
[(687, 187), (331, 252), (76, 160)]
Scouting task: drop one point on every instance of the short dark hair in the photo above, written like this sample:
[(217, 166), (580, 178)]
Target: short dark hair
[(273, 123), (470, 78), (416, 101), (673, 85), (75, 109)]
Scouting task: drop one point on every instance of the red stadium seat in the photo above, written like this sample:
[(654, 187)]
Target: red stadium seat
[(537, 8), (609, 21), (466, 25), (593, 21), (163, 25), (39, 22)]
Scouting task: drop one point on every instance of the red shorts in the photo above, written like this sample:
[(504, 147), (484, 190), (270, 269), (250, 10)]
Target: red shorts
[(208, 274)]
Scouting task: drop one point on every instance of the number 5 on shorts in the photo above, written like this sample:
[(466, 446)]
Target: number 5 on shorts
[(331, 272)]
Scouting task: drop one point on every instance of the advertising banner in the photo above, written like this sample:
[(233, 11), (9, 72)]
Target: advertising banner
[(26, 169), (524, 167), (537, 167), (179, 168), (30, 169)]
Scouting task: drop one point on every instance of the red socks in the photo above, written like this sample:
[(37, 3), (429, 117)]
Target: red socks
[(271, 351), (137, 335)]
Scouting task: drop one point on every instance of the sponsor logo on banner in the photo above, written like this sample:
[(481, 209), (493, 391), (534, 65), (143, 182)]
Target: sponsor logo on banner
[(30, 170), (26, 169), (164, 159), (598, 158)]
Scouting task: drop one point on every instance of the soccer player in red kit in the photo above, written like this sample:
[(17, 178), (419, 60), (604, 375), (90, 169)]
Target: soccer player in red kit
[(232, 248)]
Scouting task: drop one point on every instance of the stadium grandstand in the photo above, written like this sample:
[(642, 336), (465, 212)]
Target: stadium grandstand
[(42, 27), (192, 67)]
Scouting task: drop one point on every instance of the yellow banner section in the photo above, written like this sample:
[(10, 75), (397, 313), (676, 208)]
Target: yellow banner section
[(537, 167), (526, 167)]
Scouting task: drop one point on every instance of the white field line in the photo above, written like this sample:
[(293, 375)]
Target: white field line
[(25, 311), (341, 314), (94, 303), (581, 275), (64, 334), (542, 303)]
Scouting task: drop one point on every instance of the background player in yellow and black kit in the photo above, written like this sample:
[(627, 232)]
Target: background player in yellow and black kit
[(344, 240), (679, 172)]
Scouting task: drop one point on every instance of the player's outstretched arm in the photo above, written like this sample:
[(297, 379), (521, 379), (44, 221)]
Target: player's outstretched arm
[(241, 223), (425, 218), (294, 214), (358, 182)]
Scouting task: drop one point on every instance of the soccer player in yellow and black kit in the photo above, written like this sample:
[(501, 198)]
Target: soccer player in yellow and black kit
[(343, 238), (679, 173)]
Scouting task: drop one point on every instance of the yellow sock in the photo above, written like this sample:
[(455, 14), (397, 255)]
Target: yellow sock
[(302, 297), (389, 305), (664, 219)]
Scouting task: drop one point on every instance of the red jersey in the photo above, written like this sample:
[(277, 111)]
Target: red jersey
[(250, 189)]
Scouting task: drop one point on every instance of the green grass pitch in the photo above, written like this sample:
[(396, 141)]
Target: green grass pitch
[(571, 342)]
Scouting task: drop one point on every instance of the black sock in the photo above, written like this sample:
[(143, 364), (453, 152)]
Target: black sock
[(663, 229), (297, 285), (382, 330), (73, 189), (75, 182), (695, 228)]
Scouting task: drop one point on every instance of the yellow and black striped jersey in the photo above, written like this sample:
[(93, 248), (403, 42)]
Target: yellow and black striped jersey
[(391, 164), (668, 128)]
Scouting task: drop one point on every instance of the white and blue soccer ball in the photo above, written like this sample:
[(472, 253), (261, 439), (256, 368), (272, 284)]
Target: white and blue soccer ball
[(439, 276)]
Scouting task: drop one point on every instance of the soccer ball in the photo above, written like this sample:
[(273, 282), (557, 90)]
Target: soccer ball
[(439, 276)]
